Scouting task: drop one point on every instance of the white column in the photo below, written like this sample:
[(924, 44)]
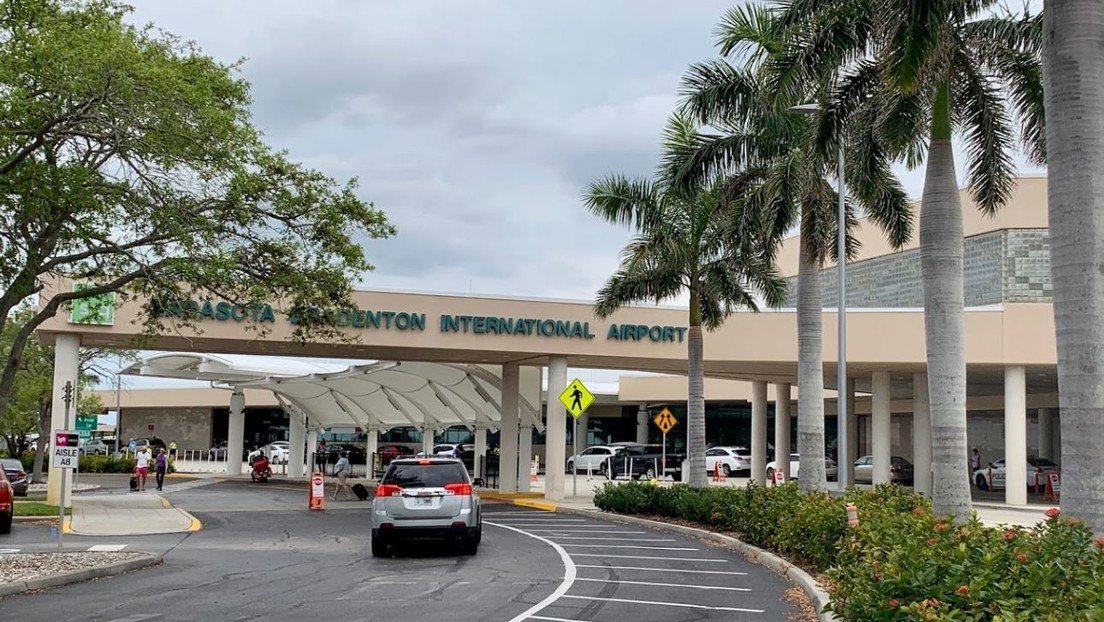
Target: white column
[(880, 426), (921, 435), (1015, 435), (66, 369), (508, 431), (427, 439), (852, 433), (759, 432), (480, 451), (371, 443), (642, 424), (235, 433), (525, 455), (782, 427), (1046, 434), (297, 442), (555, 428)]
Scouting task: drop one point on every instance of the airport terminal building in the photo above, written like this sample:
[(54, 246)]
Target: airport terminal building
[(488, 369)]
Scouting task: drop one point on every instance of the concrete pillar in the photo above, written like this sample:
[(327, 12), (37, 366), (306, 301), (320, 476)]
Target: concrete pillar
[(297, 442), (66, 369), (371, 443), (555, 427), (921, 435), (480, 451), (1015, 435), (525, 455), (642, 424), (880, 426), (508, 431), (759, 432), (852, 434), (427, 440), (235, 433), (782, 427), (1046, 434)]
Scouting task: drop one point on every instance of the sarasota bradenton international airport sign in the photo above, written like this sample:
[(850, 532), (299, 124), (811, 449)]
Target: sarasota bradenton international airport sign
[(223, 311)]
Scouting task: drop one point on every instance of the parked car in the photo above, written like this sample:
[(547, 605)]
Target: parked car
[(154, 443), (731, 460), (276, 452), (426, 498), (831, 469), (7, 503), (356, 454), (16, 476), (590, 458), (95, 446), (993, 477), (217, 452), (900, 470), (387, 453), (642, 462)]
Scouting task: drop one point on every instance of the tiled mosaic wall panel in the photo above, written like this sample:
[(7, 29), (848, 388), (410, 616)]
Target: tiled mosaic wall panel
[(1008, 266)]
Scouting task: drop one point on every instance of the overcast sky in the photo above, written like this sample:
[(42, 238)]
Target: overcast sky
[(476, 125)]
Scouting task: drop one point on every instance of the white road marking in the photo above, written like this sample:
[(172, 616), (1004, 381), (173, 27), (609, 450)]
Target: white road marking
[(612, 539), (547, 520), (6, 551), (665, 604), (680, 570), (679, 585), (554, 619), (670, 559), (634, 546), (569, 573), (589, 531), (107, 548)]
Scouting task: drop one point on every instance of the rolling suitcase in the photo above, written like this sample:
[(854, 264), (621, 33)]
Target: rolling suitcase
[(360, 491)]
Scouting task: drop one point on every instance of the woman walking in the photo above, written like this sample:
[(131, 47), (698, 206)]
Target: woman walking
[(161, 465), (342, 470)]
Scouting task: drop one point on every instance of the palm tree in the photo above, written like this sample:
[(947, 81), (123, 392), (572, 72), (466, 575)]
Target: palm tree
[(684, 243), (933, 67), (759, 133), (1074, 100)]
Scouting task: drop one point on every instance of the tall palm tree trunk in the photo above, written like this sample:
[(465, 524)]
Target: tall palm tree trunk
[(810, 375), (695, 403), (1074, 74), (941, 252)]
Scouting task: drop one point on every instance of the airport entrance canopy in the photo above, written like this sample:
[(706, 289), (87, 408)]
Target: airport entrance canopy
[(381, 394)]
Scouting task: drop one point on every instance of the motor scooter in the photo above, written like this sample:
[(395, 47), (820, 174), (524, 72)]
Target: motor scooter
[(261, 470)]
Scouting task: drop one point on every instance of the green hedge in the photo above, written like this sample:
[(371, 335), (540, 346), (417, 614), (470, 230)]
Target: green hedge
[(901, 562), (90, 463)]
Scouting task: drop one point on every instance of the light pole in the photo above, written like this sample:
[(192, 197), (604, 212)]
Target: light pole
[(841, 313)]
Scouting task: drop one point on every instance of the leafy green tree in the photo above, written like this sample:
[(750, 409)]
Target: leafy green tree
[(934, 67), (1074, 74), (769, 151), (129, 163), (684, 244)]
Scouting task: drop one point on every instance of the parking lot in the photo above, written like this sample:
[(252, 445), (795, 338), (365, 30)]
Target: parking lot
[(262, 555)]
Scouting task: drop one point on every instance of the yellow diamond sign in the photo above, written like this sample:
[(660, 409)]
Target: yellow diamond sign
[(576, 398), (665, 421)]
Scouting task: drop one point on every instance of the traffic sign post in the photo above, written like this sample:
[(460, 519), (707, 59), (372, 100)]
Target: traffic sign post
[(576, 398), (664, 421), (86, 425), (66, 457)]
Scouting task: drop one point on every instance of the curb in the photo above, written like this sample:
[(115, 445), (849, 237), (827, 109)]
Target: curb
[(510, 496), (547, 506), (753, 553), (79, 576)]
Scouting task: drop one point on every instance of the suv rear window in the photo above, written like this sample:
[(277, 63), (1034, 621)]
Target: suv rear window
[(432, 475)]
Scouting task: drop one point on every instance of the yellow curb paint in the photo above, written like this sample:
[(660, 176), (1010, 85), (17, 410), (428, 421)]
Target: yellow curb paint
[(507, 496), (547, 506), (196, 525), (67, 526), (165, 503)]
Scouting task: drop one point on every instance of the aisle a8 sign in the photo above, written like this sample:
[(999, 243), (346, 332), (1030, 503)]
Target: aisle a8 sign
[(66, 449)]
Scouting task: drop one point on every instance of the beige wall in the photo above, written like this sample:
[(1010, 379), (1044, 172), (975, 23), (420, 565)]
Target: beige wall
[(182, 398), (1027, 209), (189, 427)]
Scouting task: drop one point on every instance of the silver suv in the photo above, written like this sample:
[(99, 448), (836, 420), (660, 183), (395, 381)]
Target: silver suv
[(426, 498)]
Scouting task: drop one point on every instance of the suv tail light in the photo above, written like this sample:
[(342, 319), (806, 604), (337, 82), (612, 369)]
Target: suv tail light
[(459, 489), (388, 490)]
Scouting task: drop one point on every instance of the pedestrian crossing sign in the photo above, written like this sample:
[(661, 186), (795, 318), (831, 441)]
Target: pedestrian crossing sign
[(576, 398), (665, 421)]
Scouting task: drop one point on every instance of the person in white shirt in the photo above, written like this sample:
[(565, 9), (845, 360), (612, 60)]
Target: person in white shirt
[(141, 467)]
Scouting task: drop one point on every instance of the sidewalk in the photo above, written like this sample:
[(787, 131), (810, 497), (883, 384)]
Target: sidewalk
[(136, 514)]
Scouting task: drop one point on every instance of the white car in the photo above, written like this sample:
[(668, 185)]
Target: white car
[(831, 469), (993, 477), (590, 458), (276, 452), (730, 459)]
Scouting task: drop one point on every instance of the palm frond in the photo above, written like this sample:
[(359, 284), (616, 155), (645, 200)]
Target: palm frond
[(980, 112), (623, 201), (752, 29), (715, 90)]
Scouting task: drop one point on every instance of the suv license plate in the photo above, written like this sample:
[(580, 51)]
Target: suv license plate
[(423, 500)]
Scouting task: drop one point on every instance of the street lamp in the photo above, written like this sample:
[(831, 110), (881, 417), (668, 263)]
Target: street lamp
[(841, 313)]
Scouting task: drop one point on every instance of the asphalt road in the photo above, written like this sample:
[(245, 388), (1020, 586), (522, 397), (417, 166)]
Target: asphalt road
[(261, 555)]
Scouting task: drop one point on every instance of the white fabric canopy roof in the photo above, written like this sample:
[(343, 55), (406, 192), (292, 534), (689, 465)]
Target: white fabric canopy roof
[(384, 394)]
